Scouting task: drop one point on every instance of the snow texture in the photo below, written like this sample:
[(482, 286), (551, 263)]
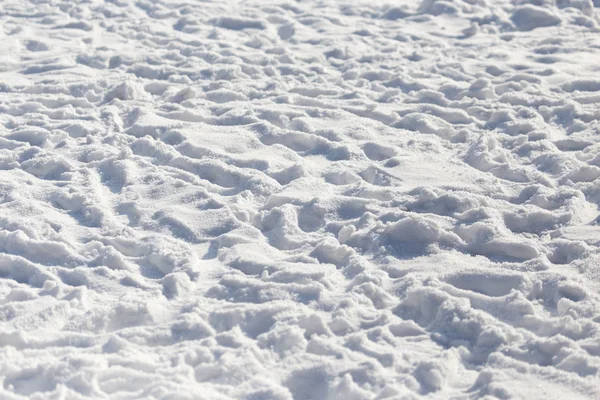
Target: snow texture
[(276, 199)]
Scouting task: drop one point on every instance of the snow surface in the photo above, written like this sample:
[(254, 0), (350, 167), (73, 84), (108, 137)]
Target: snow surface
[(299, 199)]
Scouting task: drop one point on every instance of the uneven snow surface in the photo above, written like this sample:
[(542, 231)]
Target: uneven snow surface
[(302, 200)]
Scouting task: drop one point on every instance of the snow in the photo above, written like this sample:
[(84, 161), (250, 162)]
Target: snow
[(299, 200)]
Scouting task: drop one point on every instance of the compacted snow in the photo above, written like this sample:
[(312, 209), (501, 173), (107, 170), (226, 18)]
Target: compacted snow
[(299, 199)]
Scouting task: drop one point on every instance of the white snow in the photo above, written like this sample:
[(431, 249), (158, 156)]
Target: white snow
[(274, 199)]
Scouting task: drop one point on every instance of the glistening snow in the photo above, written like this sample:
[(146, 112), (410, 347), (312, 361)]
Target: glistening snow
[(308, 200)]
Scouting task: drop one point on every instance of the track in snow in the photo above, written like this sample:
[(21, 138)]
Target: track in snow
[(299, 200)]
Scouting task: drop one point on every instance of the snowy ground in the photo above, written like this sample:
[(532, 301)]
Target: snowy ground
[(299, 199)]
